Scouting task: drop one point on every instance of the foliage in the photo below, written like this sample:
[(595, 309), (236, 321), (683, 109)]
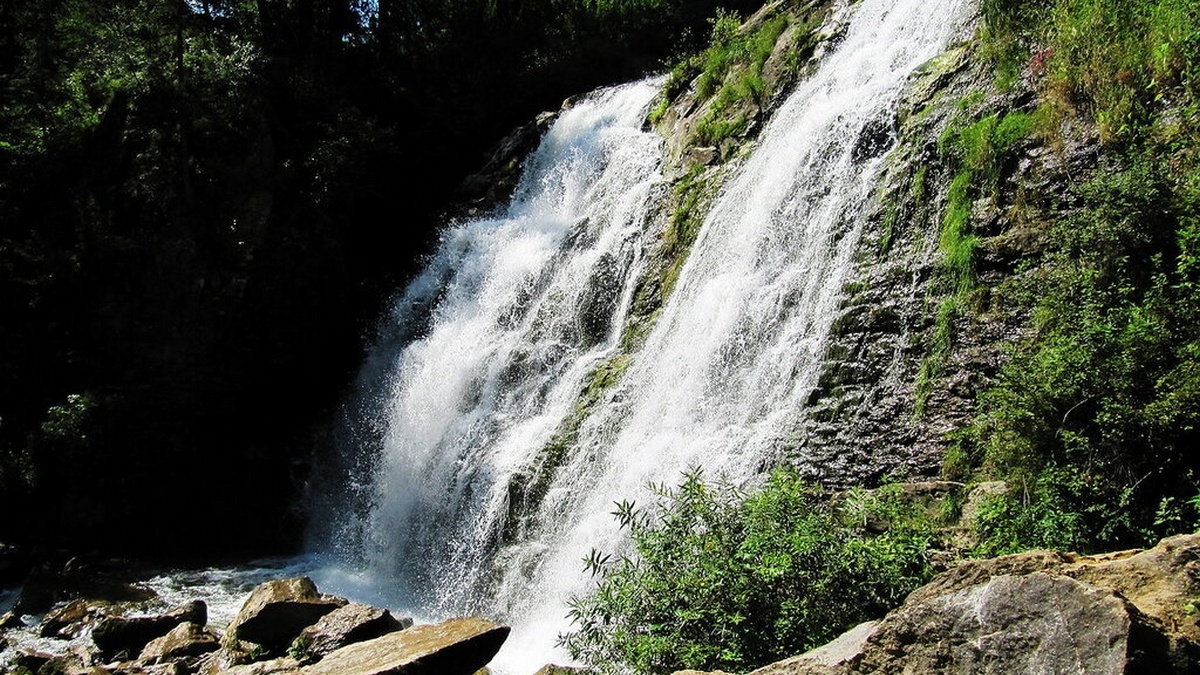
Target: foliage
[(722, 577), (1113, 60), (1093, 418), (195, 200), (300, 649)]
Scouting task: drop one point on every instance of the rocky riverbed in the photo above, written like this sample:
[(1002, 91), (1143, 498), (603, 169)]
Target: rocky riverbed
[(1038, 612), (77, 619)]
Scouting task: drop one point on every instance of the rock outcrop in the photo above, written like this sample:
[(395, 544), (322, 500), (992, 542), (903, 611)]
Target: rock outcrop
[(278, 610)]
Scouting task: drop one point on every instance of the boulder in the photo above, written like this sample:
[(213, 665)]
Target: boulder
[(454, 647), (554, 669), (185, 640), (1035, 623), (346, 625), (1162, 582), (116, 635), (277, 611)]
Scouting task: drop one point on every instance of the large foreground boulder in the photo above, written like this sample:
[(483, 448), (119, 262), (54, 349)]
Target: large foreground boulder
[(1035, 623), (277, 611), (454, 647)]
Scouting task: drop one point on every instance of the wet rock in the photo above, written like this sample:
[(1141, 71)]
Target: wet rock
[(11, 620), (67, 621), (117, 635), (346, 625), (31, 660), (185, 640), (454, 647), (283, 664), (277, 611), (496, 181)]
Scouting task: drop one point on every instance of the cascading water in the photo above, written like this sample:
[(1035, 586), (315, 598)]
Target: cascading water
[(520, 307), (525, 305)]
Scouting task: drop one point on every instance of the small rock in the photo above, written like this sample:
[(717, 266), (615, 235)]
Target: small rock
[(67, 621), (12, 620), (116, 635), (31, 660)]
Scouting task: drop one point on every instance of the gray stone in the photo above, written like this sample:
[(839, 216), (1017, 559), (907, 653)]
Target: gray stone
[(1035, 623)]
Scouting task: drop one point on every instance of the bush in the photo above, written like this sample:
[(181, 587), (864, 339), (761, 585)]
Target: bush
[(726, 578)]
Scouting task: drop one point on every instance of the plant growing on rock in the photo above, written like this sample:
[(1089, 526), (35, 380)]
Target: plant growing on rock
[(731, 578)]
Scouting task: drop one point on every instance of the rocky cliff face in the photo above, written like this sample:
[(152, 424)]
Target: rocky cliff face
[(902, 371)]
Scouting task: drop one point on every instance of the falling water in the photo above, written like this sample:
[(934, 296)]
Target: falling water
[(527, 304), (486, 349)]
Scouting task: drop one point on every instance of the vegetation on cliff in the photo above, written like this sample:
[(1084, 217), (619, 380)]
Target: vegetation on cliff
[(728, 578), (1093, 419)]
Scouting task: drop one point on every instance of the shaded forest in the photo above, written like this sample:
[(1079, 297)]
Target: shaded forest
[(204, 205)]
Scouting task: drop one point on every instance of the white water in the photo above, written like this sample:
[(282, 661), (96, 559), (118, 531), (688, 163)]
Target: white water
[(526, 304)]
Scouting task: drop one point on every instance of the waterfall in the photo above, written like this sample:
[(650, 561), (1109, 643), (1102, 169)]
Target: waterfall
[(493, 342)]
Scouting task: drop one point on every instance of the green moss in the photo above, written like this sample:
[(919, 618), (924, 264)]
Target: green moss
[(733, 74), (527, 490)]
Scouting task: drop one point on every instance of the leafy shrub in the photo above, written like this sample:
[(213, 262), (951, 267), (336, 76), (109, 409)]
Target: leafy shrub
[(1094, 415), (727, 578)]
